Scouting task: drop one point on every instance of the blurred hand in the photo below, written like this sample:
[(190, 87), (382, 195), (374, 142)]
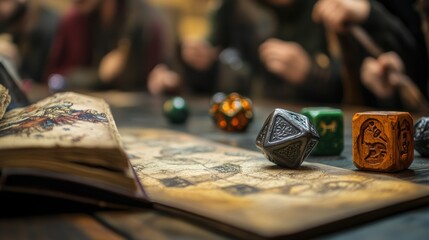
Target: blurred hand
[(336, 13), (161, 79), (198, 54), (9, 50), (374, 74), (285, 59), (112, 65)]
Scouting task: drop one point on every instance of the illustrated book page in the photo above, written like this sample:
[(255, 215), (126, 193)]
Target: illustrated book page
[(242, 189), (4, 100)]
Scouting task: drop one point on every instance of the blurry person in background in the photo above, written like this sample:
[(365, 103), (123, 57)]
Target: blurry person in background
[(395, 25), (423, 6), (280, 42), (26, 32), (117, 44)]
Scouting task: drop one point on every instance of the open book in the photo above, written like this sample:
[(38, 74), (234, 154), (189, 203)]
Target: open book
[(66, 146), (242, 193)]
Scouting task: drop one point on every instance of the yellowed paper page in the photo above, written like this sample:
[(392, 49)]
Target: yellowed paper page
[(242, 189), (65, 119), (63, 127)]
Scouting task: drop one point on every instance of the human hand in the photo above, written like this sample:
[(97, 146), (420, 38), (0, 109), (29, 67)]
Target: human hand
[(198, 54), (9, 50), (114, 62), (335, 14), (285, 59), (111, 65), (374, 74), (161, 79)]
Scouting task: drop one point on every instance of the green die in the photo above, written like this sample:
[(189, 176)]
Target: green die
[(330, 126), (176, 110)]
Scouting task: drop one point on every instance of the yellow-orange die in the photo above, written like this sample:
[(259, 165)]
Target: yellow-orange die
[(383, 141), (232, 113)]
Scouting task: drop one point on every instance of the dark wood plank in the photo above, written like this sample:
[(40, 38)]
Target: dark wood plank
[(66, 227), (151, 224), (411, 225)]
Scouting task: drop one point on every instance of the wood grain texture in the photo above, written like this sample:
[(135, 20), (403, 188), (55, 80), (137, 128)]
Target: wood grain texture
[(383, 141)]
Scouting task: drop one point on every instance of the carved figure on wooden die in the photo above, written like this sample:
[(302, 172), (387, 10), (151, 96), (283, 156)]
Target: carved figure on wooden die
[(372, 141)]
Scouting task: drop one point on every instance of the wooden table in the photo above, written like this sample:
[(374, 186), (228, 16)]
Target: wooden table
[(140, 110)]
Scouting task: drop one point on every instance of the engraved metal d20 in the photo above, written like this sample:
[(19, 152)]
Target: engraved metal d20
[(287, 138)]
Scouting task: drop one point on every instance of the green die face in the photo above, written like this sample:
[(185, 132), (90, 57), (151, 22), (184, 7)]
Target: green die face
[(176, 110), (330, 126)]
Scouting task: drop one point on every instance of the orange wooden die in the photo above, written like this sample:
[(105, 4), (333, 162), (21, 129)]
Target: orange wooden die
[(383, 141)]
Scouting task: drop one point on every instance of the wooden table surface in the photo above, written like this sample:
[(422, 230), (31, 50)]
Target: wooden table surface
[(140, 110)]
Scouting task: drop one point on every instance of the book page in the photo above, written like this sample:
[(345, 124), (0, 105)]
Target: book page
[(62, 120), (242, 189), (4, 100)]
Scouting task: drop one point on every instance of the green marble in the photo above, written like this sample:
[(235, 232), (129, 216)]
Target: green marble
[(176, 110), (330, 126)]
